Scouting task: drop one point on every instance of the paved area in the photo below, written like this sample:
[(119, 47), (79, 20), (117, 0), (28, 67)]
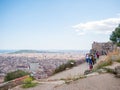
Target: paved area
[(99, 82), (78, 70)]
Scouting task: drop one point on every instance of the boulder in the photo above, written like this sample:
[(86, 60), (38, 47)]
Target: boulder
[(117, 71)]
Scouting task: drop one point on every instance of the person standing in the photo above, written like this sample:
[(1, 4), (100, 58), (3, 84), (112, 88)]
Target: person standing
[(97, 54), (90, 62), (87, 58)]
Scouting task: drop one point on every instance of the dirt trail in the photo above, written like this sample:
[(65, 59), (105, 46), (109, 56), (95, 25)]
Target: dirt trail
[(49, 83), (99, 82), (78, 70)]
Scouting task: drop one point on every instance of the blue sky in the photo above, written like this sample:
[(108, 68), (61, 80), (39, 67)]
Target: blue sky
[(56, 24)]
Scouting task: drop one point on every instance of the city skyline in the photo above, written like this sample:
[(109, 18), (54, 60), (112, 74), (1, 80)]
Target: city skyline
[(56, 24)]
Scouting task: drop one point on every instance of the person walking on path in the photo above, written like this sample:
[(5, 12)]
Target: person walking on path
[(87, 58), (97, 54), (90, 62), (93, 59)]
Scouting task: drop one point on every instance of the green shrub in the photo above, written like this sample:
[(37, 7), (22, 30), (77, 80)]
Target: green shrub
[(28, 80), (109, 70), (28, 83), (60, 68), (14, 75), (70, 64), (103, 64), (118, 60), (63, 67), (118, 44)]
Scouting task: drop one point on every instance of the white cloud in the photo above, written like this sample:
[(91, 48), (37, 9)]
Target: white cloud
[(105, 26)]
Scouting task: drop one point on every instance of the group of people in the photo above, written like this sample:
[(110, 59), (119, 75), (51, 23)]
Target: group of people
[(91, 59)]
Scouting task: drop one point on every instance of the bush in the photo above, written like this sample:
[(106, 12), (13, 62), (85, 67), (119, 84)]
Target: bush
[(28, 80), (103, 64), (118, 60), (14, 75), (28, 83), (70, 64), (63, 67)]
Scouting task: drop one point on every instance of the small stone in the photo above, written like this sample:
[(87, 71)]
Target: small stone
[(92, 74)]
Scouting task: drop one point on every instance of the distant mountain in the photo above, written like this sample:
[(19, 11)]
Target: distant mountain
[(42, 51), (26, 51), (6, 51)]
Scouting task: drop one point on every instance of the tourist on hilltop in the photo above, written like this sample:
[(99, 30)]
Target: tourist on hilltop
[(93, 59), (87, 58), (97, 54), (90, 62)]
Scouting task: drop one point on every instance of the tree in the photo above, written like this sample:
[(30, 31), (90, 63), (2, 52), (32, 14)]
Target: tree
[(115, 36), (14, 75)]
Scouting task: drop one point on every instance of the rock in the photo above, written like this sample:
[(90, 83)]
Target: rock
[(92, 74), (117, 71), (101, 71), (87, 72)]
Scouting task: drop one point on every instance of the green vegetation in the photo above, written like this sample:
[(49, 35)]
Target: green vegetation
[(118, 60), (25, 51), (14, 75), (28, 83), (32, 51), (109, 70), (63, 67), (102, 64), (115, 35)]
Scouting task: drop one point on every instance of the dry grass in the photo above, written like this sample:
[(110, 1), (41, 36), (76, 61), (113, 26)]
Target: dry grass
[(108, 60), (114, 56), (111, 54), (103, 64)]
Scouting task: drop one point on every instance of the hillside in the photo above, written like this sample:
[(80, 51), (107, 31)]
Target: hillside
[(93, 81)]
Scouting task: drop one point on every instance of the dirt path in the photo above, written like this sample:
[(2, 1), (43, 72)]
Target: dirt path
[(78, 70), (49, 85), (99, 82)]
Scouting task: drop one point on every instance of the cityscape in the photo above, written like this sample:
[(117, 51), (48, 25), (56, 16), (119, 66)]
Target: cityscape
[(40, 65)]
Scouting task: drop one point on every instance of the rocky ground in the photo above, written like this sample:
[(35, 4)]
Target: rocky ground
[(99, 82)]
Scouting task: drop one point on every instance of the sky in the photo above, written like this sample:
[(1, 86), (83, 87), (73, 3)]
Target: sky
[(56, 24)]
